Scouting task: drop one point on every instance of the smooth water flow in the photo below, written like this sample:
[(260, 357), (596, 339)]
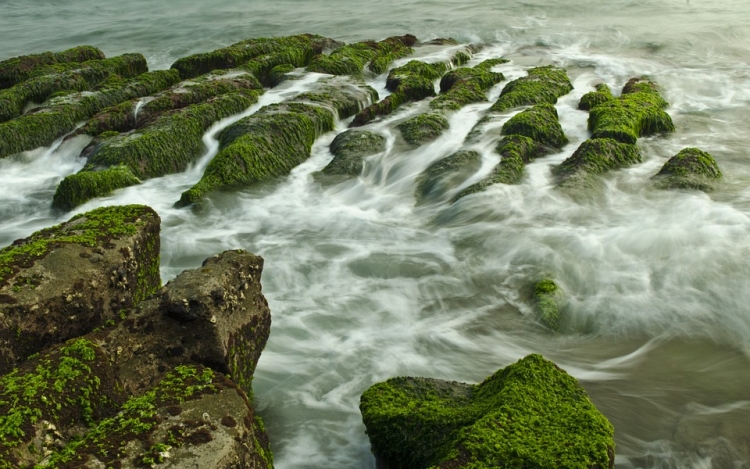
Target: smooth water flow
[(364, 284)]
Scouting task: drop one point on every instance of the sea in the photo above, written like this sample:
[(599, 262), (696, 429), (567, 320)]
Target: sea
[(364, 284)]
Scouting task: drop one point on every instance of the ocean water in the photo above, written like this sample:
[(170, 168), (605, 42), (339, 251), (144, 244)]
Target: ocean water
[(364, 285)]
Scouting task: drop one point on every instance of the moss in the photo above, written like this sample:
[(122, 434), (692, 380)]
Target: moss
[(83, 76), (61, 115), (352, 58), (637, 113), (594, 98), (349, 148), (303, 45), (63, 386), (266, 145), (342, 95), (515, 152), (446, 174), (464, 86), (596, 156), (292, 57), (423, 128), (529, 414), (691, 168), (18, 69), (91, 229), (539, 123), (79, 188), (546, 303), (261, 445), (490, 63), (542, 85), (279, 73), (460, 58), (137, 418)]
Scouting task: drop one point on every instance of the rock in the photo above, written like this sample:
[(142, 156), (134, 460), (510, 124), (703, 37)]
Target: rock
[(64, 281), (166, 146), (423, 128), (465, 85), (529, 414), (68, 77), (18, 69), (446, 174), (691, 168), (638, 112), (547, 303), (62, 114), (540, 124), (352, 58), (594, 98), (349, 148), (596, 156), (542, 85)]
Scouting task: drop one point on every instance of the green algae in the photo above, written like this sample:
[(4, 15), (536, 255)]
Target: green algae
[(79, 188), (279, 73), (542, 85), (446, 174), (539, 123), (351, 59), (349, 148), (464, 86), (342, 95), (61, 115), (423, 128), (596, 156), (52, 79), (18, 69), (530, 414), (546, 303), (638, 112), (594, 98), (490, 63), (91, 229), (691, 168)]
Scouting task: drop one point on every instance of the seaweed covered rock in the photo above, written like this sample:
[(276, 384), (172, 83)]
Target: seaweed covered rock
[(194, 417), (465, 85), (638, 112), (351, 59), (547, 303), (166, 146), (18, 69), (447, 174), (540, 124), (277, 138), (423, 128), (529, 414), (594, 98), (691, 168), (71, 77), (349, 148), (64, 281), (45, 402), (542, 85), (596, 156), (60, 115), (268, 52), (515, 152)]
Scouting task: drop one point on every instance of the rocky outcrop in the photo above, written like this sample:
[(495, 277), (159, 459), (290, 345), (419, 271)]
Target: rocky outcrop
[(691, 168), (64, 281), (594, 98), (446, 174), (529, 414), (351, 59), (19, 69), (540, 123), (542, 85), (595, 156), (349, 149), (423, 128)]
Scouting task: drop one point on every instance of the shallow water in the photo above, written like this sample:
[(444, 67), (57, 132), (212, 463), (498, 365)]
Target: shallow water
[(365, 285)]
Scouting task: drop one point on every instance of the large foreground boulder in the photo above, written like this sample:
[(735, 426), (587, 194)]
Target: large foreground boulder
[(64, 281), (530, 414)]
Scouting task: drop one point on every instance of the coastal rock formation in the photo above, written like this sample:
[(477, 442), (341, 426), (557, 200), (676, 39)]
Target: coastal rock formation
[(64, 281), (18, 69), (349, 148), (594, 98), (423, 128), (446, 174), (547, 303), (691, 168), (596, 156), (351, 59), (541, 85), (529, 414)]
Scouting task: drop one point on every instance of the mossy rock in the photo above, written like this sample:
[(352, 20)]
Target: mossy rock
[(490, 63), (531, 414), (540, 124), (691, 168), (18, 69), (61, 115), (344, 96), (280, 73), (542, 85), (638, 112), (446, 174), (464, 86), (349, 149), (547, 303), (515, 152), (423, 128), (351, 59), (596, 156), (79, 188), (52, 79), (593, 98)]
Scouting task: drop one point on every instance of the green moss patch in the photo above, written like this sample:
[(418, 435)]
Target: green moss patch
[(18, 69), (423, 128), (539, 123), (351, 59), (546, 303), (596, 156), (691, 168), (594, 98), (447, 174), (79, 188), (464, 86), (531, 414), (349, 148), (542, 85)]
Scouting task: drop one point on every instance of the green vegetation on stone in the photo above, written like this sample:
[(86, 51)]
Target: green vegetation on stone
[(539, 123), (530, 414), (18, 69), (279, 73), (546, 298), (81, 187), (596, 156), (542, 85), (464, 86), (594, 98), (351, 59), (423, 128), (691, 168), (349, 148), (446, 174)]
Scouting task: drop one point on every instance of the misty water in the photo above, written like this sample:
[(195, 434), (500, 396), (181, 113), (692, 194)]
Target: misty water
[(364, 284)]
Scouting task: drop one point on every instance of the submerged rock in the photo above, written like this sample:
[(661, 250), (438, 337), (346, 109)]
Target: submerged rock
[(18, 69), (691, 168), (529, 414), (349, 148), (542, 85), (596, 156), (64, 281), (547, 299), (446, 174)]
